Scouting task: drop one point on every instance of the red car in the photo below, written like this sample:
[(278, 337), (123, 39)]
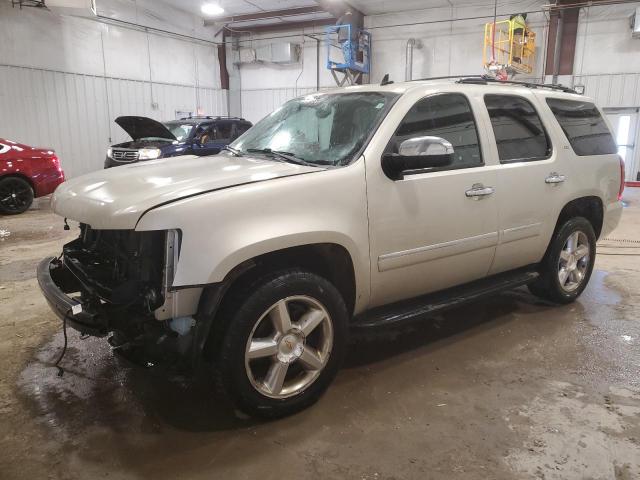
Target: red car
[(26, 173)]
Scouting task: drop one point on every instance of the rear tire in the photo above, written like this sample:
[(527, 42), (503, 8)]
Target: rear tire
[(286, 336), (566, 267), (16, 195)]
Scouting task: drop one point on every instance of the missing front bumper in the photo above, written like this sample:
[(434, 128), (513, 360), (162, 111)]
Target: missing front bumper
[(141, 340), (56, 282)]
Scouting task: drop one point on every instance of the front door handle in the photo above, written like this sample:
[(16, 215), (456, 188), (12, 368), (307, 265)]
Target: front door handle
[(555, 178), (479, 191)]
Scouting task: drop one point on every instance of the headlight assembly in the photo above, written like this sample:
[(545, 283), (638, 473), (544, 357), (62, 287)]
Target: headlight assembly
[(148, 153)]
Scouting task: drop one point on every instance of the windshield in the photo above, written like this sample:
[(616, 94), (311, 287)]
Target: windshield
[(179, 130), (319, 128)]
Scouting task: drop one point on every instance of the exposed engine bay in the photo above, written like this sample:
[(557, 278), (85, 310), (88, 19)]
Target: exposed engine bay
[(116, 279), (120, 267)]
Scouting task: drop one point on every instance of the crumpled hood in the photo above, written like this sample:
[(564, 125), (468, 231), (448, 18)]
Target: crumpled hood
[(116, 198)]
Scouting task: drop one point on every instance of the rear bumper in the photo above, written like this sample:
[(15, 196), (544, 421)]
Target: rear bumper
[(612, 215), (48, 182), (56, 282)]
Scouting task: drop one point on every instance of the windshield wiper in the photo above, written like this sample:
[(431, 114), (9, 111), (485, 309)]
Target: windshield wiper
[(287, 156), (232, 150)]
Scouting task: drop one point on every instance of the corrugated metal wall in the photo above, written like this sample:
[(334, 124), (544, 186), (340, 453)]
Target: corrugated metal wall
[(611, 90), (73, 113), (257, 103)]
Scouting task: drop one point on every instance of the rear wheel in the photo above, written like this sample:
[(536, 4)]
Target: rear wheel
[(16, 195), (285, 339), (568, 263)]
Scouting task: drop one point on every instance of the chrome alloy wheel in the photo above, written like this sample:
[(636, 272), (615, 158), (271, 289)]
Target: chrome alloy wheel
[(289, 346), (574, 261)]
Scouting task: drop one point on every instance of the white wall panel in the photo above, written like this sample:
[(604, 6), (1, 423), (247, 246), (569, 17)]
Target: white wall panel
[(39, 38), (207, 66), (125, 53), (258, 103), (66, 112), (174, 60), (612, 90), (70, 112), (448, 47), (604, 43), (66, 79)]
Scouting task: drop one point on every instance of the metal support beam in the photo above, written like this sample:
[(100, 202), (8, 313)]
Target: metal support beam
[(222, 62), (266, 15), (557, 47), (561, 40), (275, 27)]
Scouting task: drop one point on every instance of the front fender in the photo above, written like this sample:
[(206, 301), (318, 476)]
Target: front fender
[(223, 229)]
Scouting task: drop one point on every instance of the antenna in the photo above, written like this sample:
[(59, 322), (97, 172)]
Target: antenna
[(385, 80)]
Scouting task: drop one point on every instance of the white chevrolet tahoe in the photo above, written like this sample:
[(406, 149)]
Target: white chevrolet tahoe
[(367, 206)]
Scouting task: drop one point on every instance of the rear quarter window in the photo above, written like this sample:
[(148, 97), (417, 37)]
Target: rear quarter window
[(584, 127)]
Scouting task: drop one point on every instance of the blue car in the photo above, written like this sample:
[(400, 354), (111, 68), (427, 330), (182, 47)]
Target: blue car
[(188, 136)]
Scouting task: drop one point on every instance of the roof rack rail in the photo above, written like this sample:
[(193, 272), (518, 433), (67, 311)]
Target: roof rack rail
[(211, 117), (484, 80), (446, 77)]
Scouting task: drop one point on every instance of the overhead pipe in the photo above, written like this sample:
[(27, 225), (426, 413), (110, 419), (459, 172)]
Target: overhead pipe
[(412, 44), (557, 48), (408, 68)]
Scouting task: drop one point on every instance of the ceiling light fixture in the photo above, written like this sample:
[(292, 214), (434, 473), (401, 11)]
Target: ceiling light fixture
[(211, 9)]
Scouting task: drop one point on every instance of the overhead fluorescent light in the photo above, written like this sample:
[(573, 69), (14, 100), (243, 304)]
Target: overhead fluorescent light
[(211, 9)]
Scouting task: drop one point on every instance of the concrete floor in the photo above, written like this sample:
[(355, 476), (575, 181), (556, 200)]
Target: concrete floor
[(506, 388)]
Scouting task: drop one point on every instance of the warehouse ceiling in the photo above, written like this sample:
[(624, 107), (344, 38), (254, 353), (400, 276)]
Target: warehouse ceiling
[(240, 7), (368, 7), (257, 15), (377, 7)]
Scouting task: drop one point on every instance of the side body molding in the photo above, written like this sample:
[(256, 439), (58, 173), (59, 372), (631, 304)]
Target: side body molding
[(432, 252)]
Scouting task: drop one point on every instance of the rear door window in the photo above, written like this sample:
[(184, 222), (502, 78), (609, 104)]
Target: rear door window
[(584, 127), (518, 129)]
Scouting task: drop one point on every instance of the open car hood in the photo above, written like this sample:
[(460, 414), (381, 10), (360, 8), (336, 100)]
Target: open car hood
[(144, 127), (116, 198)]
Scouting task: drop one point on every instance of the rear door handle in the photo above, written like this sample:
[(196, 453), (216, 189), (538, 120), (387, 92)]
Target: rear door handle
[(479, 191), (554, 178)]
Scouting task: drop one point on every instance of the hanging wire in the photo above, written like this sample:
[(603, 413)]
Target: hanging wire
[(493, 32)]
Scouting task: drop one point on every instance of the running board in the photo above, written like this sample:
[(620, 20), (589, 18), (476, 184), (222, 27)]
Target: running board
[(434, 303)]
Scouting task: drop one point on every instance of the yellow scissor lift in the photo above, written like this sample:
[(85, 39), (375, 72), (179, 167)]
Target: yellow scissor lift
[(509, 48)]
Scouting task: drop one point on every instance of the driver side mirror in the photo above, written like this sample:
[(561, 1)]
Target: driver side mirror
[(417, 155)]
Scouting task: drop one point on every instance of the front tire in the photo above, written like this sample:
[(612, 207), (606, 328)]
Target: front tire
[(566, 268), (286, 336), (16, 195)]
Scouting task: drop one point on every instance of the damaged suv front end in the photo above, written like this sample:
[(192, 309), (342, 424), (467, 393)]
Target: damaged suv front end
[(119, 282), (125, 275)]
